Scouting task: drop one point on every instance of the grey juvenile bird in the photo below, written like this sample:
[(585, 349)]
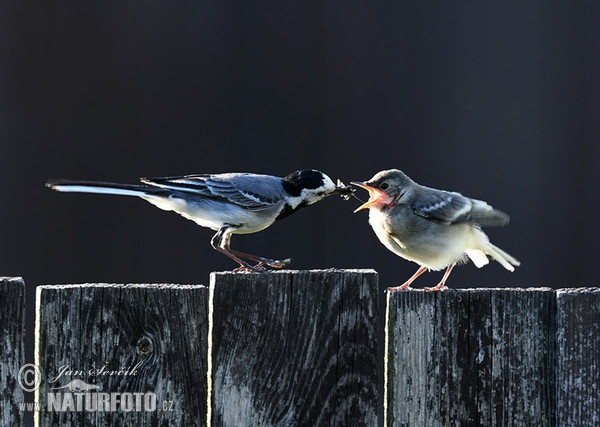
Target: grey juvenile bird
[(231, 203), (436, 229)]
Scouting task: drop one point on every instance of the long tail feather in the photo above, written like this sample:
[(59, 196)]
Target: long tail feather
[(509, 262), (100, 188)]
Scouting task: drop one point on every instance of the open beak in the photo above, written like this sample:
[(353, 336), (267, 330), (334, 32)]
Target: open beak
[(375, 195)]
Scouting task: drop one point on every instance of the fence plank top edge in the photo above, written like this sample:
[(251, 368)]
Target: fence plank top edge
[(482, 289), (17, 280), (123, 286), (587, 290), (313, 271)]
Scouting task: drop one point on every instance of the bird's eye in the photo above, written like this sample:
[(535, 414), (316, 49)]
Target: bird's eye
[(384, 186)]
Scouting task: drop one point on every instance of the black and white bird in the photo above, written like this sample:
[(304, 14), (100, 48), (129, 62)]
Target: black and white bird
[(436, 229), (230, 203)]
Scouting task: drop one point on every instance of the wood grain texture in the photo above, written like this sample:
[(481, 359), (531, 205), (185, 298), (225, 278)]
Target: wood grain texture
[(161, 329), (294, 348), (578, 365), (470, 357), (12, 349)]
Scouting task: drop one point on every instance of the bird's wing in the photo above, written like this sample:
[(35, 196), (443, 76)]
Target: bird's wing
[(247, 190), (451, 208)]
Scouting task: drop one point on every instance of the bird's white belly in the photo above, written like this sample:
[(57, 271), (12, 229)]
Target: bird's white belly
[(435, 252), (215, 215)]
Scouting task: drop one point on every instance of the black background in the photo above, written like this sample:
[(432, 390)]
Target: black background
[(497, 100)]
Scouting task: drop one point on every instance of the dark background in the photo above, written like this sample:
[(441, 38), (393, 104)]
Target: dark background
[(497, 100)]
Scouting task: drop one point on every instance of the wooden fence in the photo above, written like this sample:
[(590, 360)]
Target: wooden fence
[(300, 348)]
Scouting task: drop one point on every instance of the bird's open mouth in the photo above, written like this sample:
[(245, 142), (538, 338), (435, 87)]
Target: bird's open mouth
[(376, 196)]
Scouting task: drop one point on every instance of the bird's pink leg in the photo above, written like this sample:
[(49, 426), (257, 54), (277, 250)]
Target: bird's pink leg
[(406, 285), (220, 242), (275, 263), (442, 285)]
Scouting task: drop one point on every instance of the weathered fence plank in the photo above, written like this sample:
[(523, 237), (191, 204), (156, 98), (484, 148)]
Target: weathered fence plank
[(470, 357), (12, 349), (147, 344), (578, 364), (294, 348)]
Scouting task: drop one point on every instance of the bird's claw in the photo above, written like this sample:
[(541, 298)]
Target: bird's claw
[(275, 263), (399, 288), (437, 288), (261, 267), (258, 268)]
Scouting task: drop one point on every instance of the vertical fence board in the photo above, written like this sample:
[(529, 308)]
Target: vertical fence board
[(12, 349), (470, 357), (294, 348), (129, 339), (578, 344)]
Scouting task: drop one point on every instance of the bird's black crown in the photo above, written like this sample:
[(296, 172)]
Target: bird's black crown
[(295, 182)]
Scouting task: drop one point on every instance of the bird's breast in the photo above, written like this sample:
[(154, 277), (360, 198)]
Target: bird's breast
[(425, 242), (215, 214)]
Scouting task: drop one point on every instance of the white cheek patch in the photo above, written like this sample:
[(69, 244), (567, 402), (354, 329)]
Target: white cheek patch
[(310, 196)]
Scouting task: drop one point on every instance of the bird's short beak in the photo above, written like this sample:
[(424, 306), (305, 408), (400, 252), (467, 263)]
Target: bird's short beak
[(375, 195)]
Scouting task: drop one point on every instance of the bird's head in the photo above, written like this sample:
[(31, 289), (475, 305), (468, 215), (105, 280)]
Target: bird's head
[(309, 186), (384, 188)]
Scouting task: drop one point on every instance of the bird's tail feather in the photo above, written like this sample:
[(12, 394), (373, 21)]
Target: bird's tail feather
[(100, 188), (509, 262)]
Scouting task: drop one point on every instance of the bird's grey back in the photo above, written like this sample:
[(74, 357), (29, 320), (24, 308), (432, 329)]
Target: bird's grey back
[(454, 208)]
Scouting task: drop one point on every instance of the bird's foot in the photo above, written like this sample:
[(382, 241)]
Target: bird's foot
[(279, 263), (275, 263), (404, 287), (261, 266), (258, 268), (438, 287)]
